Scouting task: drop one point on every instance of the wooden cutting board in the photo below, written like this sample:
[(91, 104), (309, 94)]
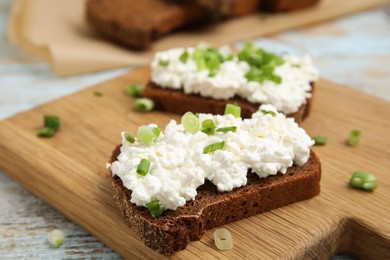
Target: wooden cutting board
[(68, 171)]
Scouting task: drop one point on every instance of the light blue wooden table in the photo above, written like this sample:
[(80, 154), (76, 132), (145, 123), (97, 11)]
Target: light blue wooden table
[(354, 51)]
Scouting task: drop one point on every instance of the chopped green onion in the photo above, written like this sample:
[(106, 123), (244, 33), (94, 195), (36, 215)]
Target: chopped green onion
[(262, 63), (261, 75), (268, 112), (135, 90), (51, 124), (190, 122), (148, 134), (227, 129), (213, 147), (156, 131), (184, 57), (223, 239), (363, 180), (143, 104), (143, 167), (208, 126), (129, 137), (354, 138), (46, 132), (320, 140), (229, 57), (55, 237), (98, 93), (155, 209), (52, 121), (233, 109), (209, 59), (200, 64), (163, 63)]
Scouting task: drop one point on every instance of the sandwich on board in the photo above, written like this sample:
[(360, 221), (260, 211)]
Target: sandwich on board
[(209, 170)]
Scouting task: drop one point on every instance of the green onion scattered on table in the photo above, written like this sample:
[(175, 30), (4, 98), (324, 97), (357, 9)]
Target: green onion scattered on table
[(51, 124), (98, 93), (143, 104), (363, 180), (55, 237), (135, 90), (320, 140), (46, 132), (354, 138)]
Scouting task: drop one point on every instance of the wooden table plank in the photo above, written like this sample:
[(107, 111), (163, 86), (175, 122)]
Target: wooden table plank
[(26, 82)]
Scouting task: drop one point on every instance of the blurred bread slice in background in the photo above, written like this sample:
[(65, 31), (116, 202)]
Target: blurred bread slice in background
[(136, 24)]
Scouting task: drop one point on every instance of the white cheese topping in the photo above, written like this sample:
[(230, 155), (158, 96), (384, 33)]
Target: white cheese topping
[(265, 144), (229, 81)]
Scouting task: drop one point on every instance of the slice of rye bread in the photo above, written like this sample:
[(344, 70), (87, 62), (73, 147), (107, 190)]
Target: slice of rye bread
[(286, 5), (173, 230), (136, 24), (231, 7), (175, 101)]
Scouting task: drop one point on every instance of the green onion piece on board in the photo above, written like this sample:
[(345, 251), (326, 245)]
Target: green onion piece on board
[(155, 209), (51, 124), (98, 93), (163, 63), (363, 180), (320, 140), (52, 121), (148, 134), (233, 109), (214, 147), (354, 138), (135, 90), (143, 167), (129, 137), (46, 132), (184, 57), (143, 104), (208, 127), (227, 129), (190, 122), (268, 112)]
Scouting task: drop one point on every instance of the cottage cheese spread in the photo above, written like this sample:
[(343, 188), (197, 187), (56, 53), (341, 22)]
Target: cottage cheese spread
[(229, 81), (265, 144)]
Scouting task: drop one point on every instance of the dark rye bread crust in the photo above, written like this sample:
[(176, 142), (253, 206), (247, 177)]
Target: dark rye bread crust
[(175, 101), (136, 24), (173, 230), (231, 7), (286, 5)]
